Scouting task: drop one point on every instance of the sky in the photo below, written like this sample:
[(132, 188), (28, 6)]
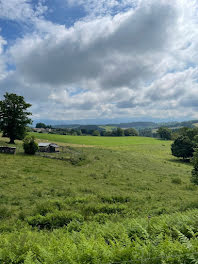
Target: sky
[(101, 59)]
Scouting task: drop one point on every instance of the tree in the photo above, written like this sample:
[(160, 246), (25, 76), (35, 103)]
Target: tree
[(29, 145), (146, 132), (40, 125), (192, 132), (195, 139), (182, 147), (96, 133), (14, 117), (164, 132), (130, 132), (79, 132), (119, 132)]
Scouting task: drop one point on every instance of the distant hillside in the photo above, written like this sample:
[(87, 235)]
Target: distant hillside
[(190, 124), (136, 125)]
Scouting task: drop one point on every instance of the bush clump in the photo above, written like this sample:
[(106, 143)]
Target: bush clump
[(53, 220), (176, 181), (29, 145)]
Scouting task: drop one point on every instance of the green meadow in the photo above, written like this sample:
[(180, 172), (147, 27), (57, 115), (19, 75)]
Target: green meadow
[(97, 141), (122, 200)]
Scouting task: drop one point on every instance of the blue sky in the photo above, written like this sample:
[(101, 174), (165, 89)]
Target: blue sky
[(101, 59)]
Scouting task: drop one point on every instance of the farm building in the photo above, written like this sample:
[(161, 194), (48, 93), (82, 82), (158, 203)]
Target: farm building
[(48, 147)]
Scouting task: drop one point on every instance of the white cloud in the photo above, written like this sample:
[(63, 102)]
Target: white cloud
[(104, 7), (142, 62), (126, 47), (21, 10)]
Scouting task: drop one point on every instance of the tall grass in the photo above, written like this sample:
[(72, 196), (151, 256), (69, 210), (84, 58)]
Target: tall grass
[(127, 204)]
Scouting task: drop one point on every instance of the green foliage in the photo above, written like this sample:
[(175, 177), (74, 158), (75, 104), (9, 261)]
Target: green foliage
[(54, 212), (98, 141), (164, 133), (130, 132), (14, 117), (119, 132), (165, 239), (194, 177), (104, 208), (146, 132), (196, 139), (40, 125), (96, 133), (78, 159), (29, 145), (191, 133), (53, 220), (182, 147), (4, 212), (177, 181)]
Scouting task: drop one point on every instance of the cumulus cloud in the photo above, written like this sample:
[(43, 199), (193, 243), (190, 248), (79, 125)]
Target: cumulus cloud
[(126, 47), (132, 58), (21, 10), (104, 7)]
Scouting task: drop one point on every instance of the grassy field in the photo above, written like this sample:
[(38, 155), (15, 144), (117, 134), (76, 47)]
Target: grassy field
[(98, 141), (128, 200)]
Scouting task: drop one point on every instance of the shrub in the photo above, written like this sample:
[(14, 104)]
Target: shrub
[(43, 208), (53, 220), (176, 181), (29, 145), (78, 159), (4, 213), (104, 208), (115, 199), (194, 178)]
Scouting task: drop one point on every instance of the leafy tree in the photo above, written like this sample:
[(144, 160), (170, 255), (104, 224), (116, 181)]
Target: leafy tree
[(146, 132), (196, 139), (14, 117), (182, 131), (84, 131), (192, 132), (40, 125), (164, 133), (96, 133), (108, 133), (182, 147), (194, 178), (119, 132), (79, 132), (130, 132), (29, 145)]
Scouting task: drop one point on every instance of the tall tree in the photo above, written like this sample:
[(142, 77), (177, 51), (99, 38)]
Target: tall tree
[(130, 132), (164, 132), (13, 116)]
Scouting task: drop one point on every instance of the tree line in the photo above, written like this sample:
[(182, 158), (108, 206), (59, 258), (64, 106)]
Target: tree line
[(117, 132)]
